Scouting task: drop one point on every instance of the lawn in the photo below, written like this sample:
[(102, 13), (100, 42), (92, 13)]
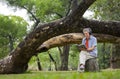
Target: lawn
[(106, 74)]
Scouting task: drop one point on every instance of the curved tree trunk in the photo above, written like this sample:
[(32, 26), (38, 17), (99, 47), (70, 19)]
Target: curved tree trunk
[(17, 61)]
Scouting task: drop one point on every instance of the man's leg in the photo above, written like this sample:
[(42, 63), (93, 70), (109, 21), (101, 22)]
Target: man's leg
[(82, 59), (88, 56)]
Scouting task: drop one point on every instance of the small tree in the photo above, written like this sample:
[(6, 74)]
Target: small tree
[(12, 30)]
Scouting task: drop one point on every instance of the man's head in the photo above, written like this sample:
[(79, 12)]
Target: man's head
[(87, 32)]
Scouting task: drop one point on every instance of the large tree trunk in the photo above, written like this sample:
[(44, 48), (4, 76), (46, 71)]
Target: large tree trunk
[(115, 58), (65, 54), (17, 61)]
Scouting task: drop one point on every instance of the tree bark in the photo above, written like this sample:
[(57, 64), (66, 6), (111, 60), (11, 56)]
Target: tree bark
[(103, 27), (17, 61), (74, 4), (92, 65), (64, 57)]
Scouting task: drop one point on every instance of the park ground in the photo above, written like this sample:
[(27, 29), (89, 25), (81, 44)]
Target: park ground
[(103, 74)]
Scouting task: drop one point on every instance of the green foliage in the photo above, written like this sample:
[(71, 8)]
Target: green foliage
[(45, 10), (107, 74), (73, 57), (11, 27), (22, 3), (104, 54), (45, 60), (106, 9)]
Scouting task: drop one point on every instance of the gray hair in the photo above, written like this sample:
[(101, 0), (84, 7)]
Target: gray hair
[(87, 30)]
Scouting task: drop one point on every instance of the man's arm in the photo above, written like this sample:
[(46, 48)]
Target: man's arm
[(93, 46)]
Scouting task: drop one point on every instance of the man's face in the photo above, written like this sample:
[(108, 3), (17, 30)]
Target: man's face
[(87, 35)]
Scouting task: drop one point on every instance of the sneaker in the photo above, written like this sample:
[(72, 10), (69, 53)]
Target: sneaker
[(82, 68)]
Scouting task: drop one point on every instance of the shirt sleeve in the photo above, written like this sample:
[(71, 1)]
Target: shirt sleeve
[(94, 42), (83, 41)]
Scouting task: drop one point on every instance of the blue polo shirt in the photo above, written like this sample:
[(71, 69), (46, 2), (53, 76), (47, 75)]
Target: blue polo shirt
[(92, 42)]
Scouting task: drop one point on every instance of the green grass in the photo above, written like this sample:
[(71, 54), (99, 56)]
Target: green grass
[(106, 74)]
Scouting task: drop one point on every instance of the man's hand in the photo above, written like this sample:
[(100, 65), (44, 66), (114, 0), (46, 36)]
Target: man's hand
[(91, 48), (84, 49)]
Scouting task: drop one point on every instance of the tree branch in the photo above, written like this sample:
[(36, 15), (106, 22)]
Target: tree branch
[(106, 27), (80, 10), (58, 14), (37, 21), (74, 4)]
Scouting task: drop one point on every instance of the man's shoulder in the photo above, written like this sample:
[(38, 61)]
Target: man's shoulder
[(84, 39), (93, 37)]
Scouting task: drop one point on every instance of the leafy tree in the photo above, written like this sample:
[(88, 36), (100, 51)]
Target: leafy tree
[(12, 30), (106, 9), (104, 55)]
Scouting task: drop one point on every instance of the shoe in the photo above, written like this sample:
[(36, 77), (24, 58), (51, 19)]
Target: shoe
[(82, 68)]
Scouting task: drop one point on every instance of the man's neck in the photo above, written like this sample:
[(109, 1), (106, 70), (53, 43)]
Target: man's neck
[(88, 38)]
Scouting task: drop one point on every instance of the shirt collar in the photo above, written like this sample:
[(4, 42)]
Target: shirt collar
[(89, 38)]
